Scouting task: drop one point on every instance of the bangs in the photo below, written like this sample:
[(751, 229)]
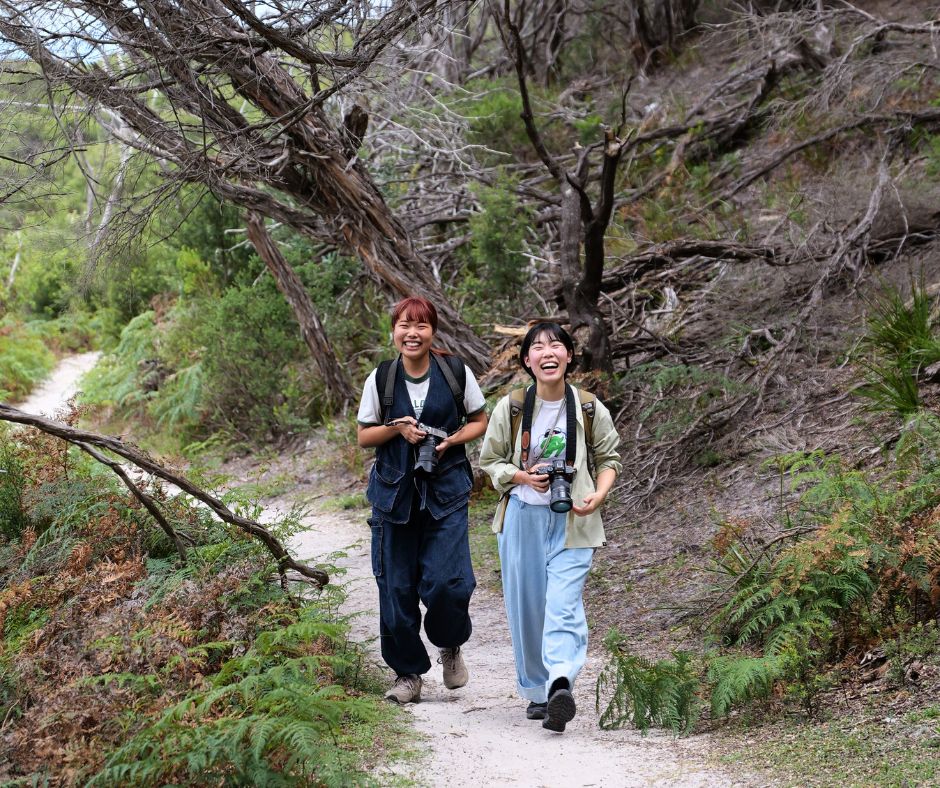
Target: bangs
[(552, 332), (417, 309)]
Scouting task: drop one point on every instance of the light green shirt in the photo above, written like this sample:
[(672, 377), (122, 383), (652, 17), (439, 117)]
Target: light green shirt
[(500, 467)]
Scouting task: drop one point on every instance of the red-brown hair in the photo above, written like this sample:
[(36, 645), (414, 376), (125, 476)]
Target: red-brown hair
[(421, 310), (415, 308)]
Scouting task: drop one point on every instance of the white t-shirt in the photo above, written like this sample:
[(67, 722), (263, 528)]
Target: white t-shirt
[(370, 406), (549, 441)]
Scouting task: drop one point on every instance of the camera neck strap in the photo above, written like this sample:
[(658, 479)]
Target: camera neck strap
[(571, 418)]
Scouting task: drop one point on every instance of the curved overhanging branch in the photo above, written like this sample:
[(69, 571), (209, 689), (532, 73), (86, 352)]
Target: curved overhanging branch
[(146, 501), (85, 439)]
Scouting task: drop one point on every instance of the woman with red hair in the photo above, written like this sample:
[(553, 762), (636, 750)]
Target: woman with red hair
[(415, 416)]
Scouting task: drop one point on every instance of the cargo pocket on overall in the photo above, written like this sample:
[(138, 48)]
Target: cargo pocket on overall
[(451, 489), (383, 489), (377, 532)]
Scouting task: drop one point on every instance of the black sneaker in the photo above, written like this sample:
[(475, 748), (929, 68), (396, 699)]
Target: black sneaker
[(559, 710), (535, 711)]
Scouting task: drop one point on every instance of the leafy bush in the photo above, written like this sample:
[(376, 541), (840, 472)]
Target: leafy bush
[(118, 378), (679, 395), (860, 551), (497, 243), (495, 122), (858, 562), (231, 361), (12, 481), (153, 672), (24, 358)]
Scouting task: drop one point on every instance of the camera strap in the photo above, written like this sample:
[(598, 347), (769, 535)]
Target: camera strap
[(571, 419)]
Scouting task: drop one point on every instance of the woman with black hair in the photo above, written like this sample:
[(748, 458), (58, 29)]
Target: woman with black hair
[(546, 543)]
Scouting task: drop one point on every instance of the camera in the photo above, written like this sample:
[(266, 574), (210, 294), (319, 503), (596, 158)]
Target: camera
[(426, 462), (559, 484)]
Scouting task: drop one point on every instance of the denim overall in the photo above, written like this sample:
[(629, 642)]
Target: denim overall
[(420, 546)]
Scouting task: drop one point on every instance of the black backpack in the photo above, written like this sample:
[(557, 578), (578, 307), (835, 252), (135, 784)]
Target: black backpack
[(453, 369)]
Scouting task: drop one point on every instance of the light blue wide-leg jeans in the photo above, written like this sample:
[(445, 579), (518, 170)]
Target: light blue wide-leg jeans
[(542, 585)]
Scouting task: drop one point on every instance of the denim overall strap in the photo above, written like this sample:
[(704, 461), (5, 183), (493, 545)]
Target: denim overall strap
[(391, 486)]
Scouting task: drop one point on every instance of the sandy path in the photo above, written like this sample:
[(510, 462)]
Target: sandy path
[(478, 735), (60, 386)]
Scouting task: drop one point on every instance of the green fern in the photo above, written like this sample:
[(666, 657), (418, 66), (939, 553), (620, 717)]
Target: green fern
[(738, 679), (272, 716), (662, 694)]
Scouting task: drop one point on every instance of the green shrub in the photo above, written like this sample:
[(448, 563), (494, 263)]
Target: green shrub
[(190, 673), (497, 243), (860, 561), (494, 121), (678, 394), (269, 718), (117, 378), (24, 358), (12, 516)]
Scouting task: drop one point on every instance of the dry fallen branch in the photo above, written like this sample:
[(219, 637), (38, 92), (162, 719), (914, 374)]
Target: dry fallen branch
[(85, 439), (140, 495)]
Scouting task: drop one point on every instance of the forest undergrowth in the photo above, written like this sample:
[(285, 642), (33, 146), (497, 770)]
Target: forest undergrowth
[(122, 666)]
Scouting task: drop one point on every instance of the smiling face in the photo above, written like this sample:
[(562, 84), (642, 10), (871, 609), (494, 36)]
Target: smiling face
[(412, 337), (548, 358)]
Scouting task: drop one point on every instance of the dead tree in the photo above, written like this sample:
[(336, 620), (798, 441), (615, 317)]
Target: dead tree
[(580, 216), (244, 111)]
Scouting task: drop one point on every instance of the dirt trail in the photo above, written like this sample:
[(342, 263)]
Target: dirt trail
[(60, 386), (479, 735)]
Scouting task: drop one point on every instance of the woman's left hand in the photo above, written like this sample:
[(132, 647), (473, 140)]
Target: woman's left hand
[(592, 502)]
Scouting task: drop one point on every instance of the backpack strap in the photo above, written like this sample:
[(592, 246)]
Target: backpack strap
[(588, 407), (516, 400), (385, 385), (528, 408), (453, 370), (455, 373)]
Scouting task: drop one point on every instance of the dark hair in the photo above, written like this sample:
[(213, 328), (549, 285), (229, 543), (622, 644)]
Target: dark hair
[(554, 332), (415, 308)]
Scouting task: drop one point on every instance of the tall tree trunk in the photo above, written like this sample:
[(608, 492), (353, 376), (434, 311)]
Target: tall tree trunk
[(292, 166), (334, 377)]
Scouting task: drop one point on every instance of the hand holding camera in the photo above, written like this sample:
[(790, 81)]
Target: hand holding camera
[(427, 438), (560, 475), (408, 428)]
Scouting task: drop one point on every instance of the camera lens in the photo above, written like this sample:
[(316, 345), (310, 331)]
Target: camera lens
[(426, 464), (559, 493)]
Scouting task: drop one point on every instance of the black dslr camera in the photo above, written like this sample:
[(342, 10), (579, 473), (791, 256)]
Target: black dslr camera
[(426, 463), (560, 475)]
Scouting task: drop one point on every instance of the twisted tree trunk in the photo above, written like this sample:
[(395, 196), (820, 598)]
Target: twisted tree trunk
[(293, 165), (296, 295)]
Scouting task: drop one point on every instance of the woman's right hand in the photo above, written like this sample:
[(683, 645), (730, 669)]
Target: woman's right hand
[(407, 427), (533, 478)]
